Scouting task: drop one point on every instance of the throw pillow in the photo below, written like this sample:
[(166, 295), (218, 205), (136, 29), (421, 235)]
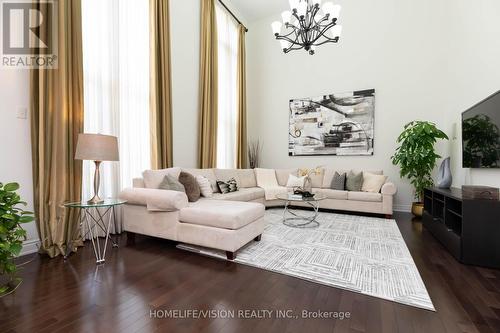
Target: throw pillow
[(205, 187), (372, 183), (153, 178), (230, 186), (338, 181), (190, 185), (171, 184), (294, 181), (354, 181)]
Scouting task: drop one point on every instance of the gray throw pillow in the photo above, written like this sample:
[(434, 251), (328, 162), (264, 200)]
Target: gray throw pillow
[(171, 184), (338, 182), (190, 185), (354, 181), (230, 186)]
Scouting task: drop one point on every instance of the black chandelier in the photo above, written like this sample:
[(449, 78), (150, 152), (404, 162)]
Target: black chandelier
[(306, 25)]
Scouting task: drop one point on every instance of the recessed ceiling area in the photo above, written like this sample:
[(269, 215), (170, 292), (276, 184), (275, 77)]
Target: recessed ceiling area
[(253, 10)]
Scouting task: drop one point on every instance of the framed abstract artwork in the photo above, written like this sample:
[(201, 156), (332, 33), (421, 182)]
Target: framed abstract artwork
[(335, 124)]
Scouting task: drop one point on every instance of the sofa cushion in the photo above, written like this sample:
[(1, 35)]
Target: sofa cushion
[(294, 181), (224, 175), (338, 181), (205, 187), (153, 178), (282, 175), (372, 183), (354, 181), (155, 199), (247, 178), (222, 214), (331, 194), (171, 184), (226, 187), (244, 194), (191, 186), (207, 173), (364, 196), (328, 176)]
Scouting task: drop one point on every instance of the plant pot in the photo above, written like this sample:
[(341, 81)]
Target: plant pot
[(417, 209)]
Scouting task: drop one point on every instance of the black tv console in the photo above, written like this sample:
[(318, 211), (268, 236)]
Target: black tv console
[(469, 229)]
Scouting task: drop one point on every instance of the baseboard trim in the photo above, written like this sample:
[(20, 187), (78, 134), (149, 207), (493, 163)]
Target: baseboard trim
[(30, 246), (402, 208)]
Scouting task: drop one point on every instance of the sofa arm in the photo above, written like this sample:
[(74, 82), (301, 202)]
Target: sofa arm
[(155, 200), (389, 189)]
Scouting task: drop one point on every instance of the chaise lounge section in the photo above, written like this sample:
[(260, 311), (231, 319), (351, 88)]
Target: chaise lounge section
[(229, 221)]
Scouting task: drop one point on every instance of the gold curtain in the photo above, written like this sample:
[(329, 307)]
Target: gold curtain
[(56, 119), (160, 87), (207, 132), (241, 131)]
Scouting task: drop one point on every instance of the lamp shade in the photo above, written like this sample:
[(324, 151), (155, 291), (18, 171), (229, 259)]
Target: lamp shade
[(97, 147)]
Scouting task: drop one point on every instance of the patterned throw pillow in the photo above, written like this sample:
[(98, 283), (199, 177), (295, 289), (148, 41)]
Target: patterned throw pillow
[(354, 181), (171, 184), (338, 181), (230, 186)]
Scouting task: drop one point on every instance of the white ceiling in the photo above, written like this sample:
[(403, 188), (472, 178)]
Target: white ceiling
[(253, 10)]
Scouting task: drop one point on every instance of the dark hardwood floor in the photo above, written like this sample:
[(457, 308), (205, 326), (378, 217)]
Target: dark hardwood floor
[(74, 296)]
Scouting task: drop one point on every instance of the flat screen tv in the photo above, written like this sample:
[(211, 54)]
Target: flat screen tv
[(481, 134)]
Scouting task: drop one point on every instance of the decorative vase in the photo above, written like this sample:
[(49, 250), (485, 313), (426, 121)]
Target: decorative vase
[(444, 175), (308, 184), (417, 209)]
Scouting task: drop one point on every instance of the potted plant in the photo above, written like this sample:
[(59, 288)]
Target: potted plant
[(11, 235), (417, 158)]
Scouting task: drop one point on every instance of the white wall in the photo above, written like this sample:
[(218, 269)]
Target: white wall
[(15, 150), (185, 48), (397, 47), (474, 74)]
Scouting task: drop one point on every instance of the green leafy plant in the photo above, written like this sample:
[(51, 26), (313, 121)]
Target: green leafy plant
[(481, 142), (416, 156), (11, 232)]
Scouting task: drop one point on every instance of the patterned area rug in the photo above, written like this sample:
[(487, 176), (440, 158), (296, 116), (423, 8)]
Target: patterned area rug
[(362, 254)]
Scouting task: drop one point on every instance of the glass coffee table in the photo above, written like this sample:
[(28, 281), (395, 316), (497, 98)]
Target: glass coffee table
[(292, 219)]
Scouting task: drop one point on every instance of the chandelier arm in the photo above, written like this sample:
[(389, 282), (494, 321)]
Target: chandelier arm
[(330, 40), (288, 34), (322, 32), (290, 48), (289, 40)]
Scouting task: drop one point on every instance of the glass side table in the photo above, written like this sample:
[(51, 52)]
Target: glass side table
[(95, 219), (295, 220)]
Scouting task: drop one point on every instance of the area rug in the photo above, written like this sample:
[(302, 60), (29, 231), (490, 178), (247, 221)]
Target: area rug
[(366, 255)]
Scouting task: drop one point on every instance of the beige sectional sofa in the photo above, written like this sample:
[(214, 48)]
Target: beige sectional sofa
[(229, 221)]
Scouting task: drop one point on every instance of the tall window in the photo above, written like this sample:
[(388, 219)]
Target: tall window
[(227, 34), (116, 87)]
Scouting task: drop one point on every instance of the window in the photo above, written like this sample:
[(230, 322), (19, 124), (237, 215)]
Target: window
[(116, 87), (227, 34)]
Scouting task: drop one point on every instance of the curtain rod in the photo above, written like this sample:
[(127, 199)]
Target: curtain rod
[(234, 16)]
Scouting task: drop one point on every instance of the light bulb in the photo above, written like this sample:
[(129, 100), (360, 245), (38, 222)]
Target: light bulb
[(337, 31), (302, 8), (328, 9), (276, 26), (293, 4), (286, 15), (284, 44)]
